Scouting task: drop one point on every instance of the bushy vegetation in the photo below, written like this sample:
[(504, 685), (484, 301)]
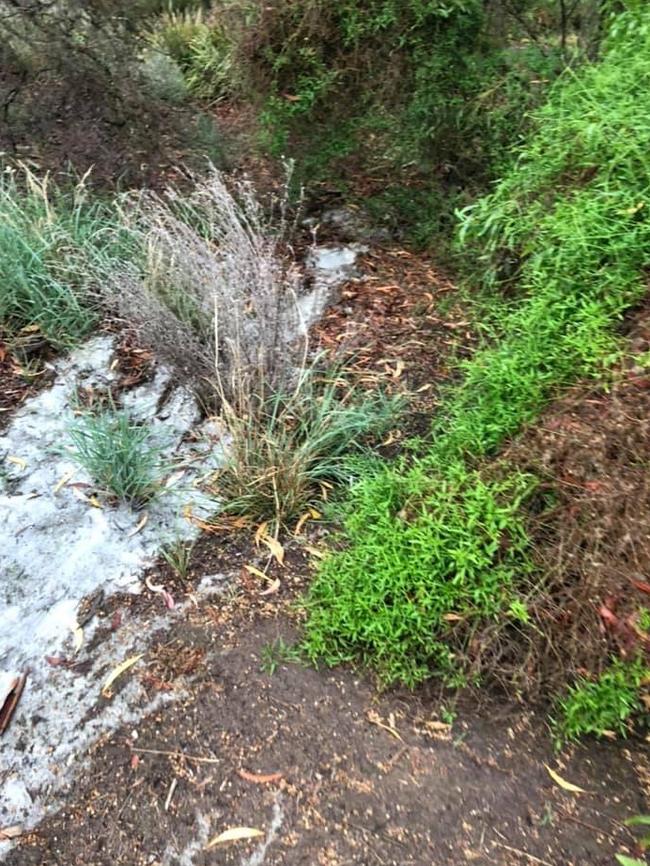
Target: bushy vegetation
[(570, 218), (427, 557), (288, 448), (602, 706)]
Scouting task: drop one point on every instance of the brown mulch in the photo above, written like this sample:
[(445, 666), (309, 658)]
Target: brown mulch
[(397, 327), (18, 381), (592, 538)]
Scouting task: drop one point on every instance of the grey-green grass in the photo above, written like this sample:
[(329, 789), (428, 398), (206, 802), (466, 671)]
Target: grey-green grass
[(54, 246), (572, 214), (119, 455)]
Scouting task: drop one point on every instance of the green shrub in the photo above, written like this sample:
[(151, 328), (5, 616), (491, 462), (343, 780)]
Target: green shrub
[(201, 49), (603, 705), (119, 455), (426, 558), (53, 245), (571, 216)]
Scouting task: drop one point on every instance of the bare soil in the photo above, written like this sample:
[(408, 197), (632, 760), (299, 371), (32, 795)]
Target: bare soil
[(328, 769)]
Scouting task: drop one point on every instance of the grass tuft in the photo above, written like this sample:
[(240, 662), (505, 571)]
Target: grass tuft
[(287, 448), (119, 455), (603, 706), (54, 247)]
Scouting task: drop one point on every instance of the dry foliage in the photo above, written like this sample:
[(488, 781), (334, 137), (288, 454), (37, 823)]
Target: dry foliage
[(216, 291)]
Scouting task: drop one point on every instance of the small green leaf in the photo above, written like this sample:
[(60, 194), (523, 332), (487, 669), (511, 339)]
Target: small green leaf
[(629, 861), (638, 820)]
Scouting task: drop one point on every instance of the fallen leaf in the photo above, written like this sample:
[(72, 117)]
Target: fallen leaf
[(261, 532), (259, 778), (319, 554), (12, 832), (94, 502), (375, 719), (117, 672), (17, 461), (135, 760), (10, 702), (275, 547), (641, 585), (235, 834), (67, 477), (399, 369), (256, 572), (305, 517), (567, 786), (168, 600), (274, 587), (141, 525), (78, 638)]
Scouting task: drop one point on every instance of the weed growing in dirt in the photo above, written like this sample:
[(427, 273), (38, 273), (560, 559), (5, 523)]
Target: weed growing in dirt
[(178, 556), (604, 705), (119, 455), (287, 448), (277, 653), (427, 557), (52, 246)]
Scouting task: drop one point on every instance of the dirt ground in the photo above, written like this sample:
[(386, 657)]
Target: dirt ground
[(329, 771)]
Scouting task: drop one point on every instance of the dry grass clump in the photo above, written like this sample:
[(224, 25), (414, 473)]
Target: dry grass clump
[(216, 288)]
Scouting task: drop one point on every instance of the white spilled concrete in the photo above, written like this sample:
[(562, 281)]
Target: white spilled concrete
[(56, 547)]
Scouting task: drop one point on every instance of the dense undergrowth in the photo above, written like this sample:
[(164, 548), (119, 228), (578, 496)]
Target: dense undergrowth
[(406, 591), (435, 548)]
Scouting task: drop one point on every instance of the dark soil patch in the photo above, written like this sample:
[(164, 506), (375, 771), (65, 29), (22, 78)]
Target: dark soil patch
[(19, 379), (58, 122), (329, 771)]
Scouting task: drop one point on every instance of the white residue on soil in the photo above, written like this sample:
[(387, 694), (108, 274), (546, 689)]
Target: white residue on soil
[(56, 548), (330, 266)]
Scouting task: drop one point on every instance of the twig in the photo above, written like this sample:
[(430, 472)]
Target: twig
[(524, 854), (197, 759), (170, 794)]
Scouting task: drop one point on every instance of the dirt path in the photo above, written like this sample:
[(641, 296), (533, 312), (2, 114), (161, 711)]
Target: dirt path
[(328, 770)]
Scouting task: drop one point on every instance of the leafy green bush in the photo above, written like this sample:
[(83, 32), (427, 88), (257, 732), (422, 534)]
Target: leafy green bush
[(119, 455), (417, 81), (201, 49), (426, 558), (571, 215), (53, 244), (603, 705)]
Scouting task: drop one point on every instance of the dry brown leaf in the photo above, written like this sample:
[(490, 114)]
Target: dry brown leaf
[(261, 532), (375, 719), (141, 525), (256, 572), (12, 832), (235, 834), (274, 587), (567, 786), (275, 547), (117, 672), (67, 477)]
